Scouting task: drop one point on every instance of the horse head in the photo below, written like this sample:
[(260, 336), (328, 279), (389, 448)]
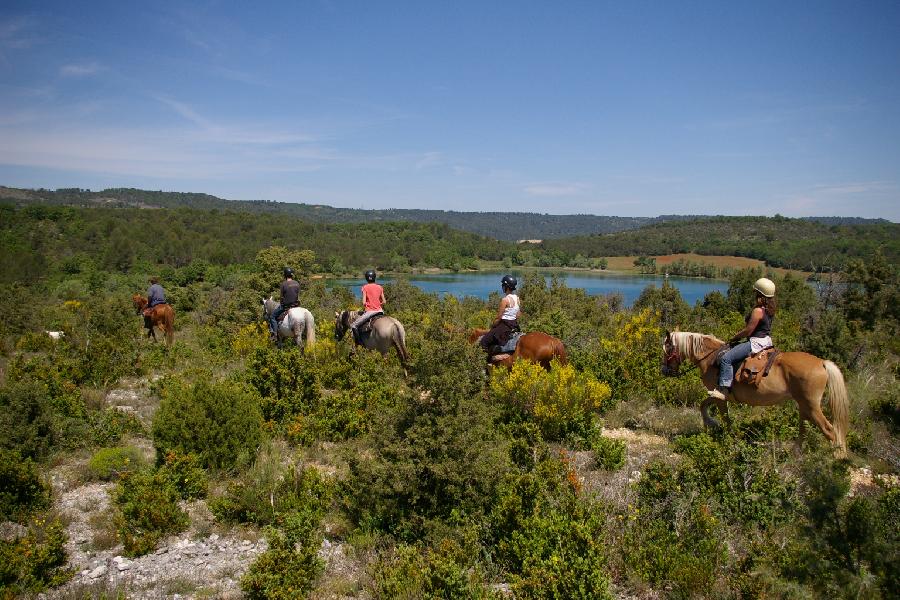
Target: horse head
[(340, 324), (671, 356), (139, 302)]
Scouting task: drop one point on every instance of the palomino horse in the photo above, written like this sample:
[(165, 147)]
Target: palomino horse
[(387, 332), (161, 315), (535, 346), (298, 323), (796, 375)]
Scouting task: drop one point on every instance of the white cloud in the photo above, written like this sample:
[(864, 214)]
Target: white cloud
[(81, 69)]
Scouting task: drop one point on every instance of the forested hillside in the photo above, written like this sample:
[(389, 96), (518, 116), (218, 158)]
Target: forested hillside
[(501, 226), (781, 242)]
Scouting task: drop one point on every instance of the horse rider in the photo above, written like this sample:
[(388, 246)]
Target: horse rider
[(373, 303), (156, 295), (290, 297), (507, 321), (758, 328)]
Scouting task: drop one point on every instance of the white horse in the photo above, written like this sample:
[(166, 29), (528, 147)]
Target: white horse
[(298, 323)]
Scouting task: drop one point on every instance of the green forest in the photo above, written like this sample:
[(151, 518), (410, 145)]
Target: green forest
[(595, 479)]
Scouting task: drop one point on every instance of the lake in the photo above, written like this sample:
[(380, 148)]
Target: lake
[(480, 284)]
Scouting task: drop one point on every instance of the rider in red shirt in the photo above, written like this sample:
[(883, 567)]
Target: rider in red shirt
[(373, 302)]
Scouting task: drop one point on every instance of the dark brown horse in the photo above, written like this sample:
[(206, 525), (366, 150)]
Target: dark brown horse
[(535, 346), (161, 315)]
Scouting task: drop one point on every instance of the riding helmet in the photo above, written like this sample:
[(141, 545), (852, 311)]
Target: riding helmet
[(288, 272), (764, 286), (370, 276), (509, 282)]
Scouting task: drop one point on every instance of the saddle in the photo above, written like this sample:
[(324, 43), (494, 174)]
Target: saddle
[(756, 366), (503, 352), (149, 310), (286, 310), (365, 327)]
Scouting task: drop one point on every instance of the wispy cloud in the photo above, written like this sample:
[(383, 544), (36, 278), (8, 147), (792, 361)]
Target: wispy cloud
[(555, 189), (18, 32), (429, 159), (81, 69)]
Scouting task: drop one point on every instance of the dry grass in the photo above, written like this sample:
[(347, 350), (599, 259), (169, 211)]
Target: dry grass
[(104, 535)]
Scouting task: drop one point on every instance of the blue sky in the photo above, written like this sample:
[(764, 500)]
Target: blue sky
[(628, 108)]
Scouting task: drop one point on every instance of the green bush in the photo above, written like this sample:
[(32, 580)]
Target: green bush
[(446, 570), (148, 511), (219, 422), (267, 492), (609, 454), (112, 463), (289, 568), (22, 490), (185, 473), (285, 382), (432, 455), (546, 537), (27, 424), (31, 563)]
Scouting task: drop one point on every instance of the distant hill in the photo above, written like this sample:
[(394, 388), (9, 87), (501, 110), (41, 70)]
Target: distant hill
[(501, 226), (807, 244)]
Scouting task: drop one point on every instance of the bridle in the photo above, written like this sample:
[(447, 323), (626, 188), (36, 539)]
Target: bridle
[(672, 355)]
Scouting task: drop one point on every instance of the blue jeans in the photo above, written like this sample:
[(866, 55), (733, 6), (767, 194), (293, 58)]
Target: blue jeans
[(273, 318), (726, 363)]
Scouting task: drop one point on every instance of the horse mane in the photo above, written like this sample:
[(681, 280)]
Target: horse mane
[(691, 345)]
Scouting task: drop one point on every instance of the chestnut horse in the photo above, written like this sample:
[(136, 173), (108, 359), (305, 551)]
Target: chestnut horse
[(535, 346), (161, 315), (796, 375)]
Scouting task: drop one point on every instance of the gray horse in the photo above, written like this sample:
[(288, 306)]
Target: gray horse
[(387, 332), (298, 323)]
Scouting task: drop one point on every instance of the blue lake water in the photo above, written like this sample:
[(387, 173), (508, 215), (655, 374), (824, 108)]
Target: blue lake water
[(481, 284)]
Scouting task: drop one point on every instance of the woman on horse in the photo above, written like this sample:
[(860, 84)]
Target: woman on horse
[(373, 303), (507, 321), (758, 328), (290, 295)]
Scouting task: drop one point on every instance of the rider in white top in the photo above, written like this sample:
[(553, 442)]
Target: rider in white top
[(511, 312), (507, 321)]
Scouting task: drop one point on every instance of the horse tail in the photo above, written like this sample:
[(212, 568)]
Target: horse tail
[(399, 338), (840, 405), (169, 320), (310, 329)]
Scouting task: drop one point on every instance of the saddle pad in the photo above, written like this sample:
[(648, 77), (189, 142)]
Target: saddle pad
[(510, 345)]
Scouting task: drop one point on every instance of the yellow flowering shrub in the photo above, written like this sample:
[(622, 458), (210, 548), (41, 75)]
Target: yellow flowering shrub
[(249, 338), (560, 401)]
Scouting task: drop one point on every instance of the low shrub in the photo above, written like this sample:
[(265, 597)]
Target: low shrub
[(284, 381), (111, 463), (609, 454), (185, 473), (546, 537), (27, 423), (445, 570), (22, 490), (289, 568), (31, 563), (219, 422), (561, 402), (148, 511), (267, 492)]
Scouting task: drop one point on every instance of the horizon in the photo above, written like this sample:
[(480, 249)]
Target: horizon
[(614, 216), (639, 110)]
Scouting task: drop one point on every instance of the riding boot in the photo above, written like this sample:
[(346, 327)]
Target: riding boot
[(720, 393)]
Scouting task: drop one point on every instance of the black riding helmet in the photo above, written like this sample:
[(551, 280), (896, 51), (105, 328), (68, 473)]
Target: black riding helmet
[(288, 272), (370, 276), (509, 282)]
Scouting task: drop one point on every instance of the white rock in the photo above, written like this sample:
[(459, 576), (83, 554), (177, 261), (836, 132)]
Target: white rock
[(98, 572)]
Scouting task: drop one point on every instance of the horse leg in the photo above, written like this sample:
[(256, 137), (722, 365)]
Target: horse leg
[(819, 419), (801, 433), (708, 421), (722, 406)]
